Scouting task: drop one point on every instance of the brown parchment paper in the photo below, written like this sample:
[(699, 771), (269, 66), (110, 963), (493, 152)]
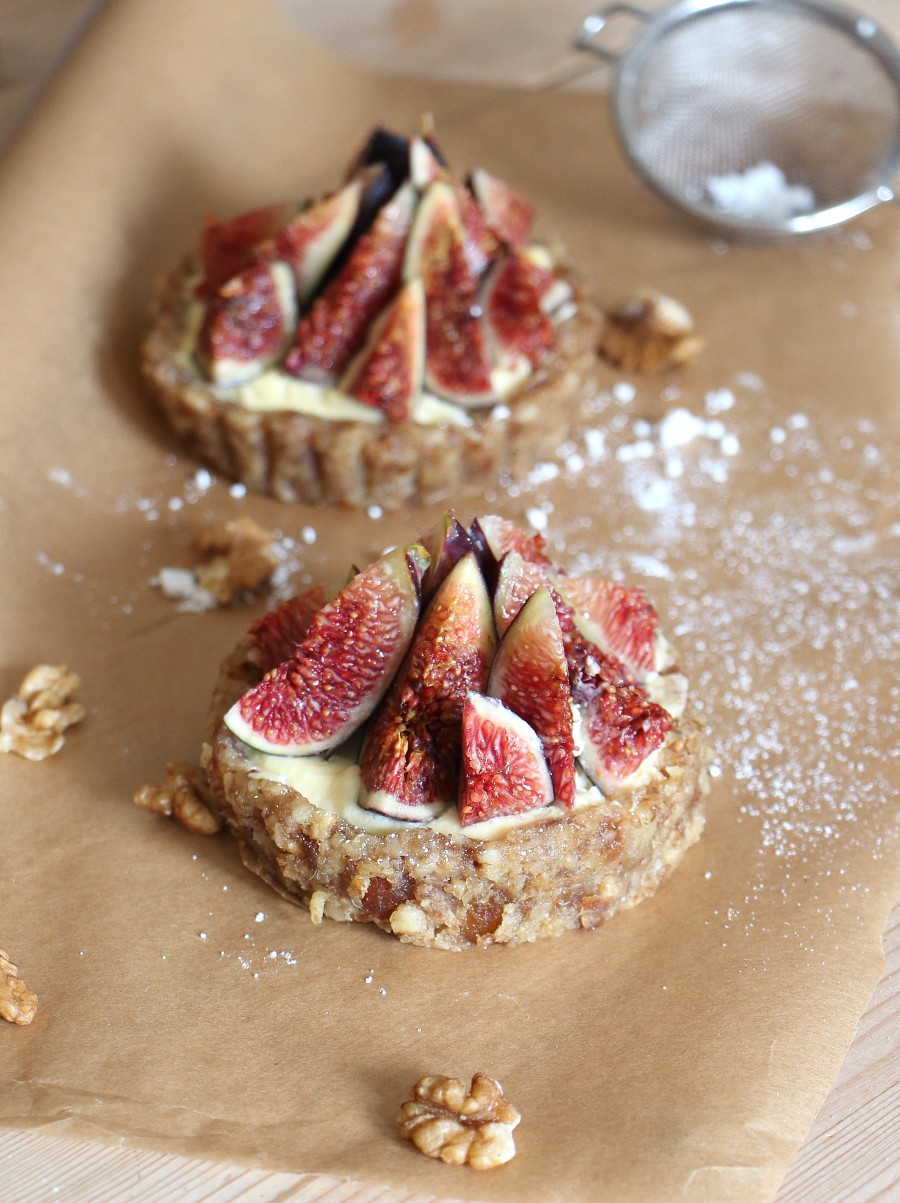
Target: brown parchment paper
[(681, 1051)]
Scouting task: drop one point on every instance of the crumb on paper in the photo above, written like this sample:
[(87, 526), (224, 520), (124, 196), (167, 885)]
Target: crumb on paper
[(17, 1003), (648, 333), (183, 796), (229, 559), (760, 194), (458, 1126), (33, 722)]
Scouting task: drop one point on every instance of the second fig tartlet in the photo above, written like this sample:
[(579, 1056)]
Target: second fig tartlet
[(464, 746), (399, 341)]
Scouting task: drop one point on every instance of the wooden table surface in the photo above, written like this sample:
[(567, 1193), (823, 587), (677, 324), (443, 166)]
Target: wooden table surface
[(852, 1151)]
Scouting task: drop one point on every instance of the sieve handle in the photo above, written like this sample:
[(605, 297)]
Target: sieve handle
[(592, 26)]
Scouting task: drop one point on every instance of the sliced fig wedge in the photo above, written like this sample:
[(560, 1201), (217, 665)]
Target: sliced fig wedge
[(336, 325), (515, 324), (509, 214), (342, 666), (447, 545), (387, 374), (276, 635), (248, 323), (620, 728), (503, 767), (530, 676), (457, 366), (480, 243), (517, 580), (311, 241), (620, 620), (227, 247), (495, 536), (409, 765)]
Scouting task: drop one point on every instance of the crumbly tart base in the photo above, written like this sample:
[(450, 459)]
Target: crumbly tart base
[(568, 872), (303, 458)]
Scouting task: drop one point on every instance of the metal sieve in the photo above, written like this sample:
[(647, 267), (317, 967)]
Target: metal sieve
[(764, 117)]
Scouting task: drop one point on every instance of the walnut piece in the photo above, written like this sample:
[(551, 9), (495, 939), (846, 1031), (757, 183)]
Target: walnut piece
[(233, 557), (33, 722), (448, 1123), (184, 796), (228, 559), (649, 333), (17, 1003)]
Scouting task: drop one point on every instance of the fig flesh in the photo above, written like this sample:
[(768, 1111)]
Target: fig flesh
[(517, 580), (504, 771), (248, 323), (387, 373), (227, 247), (515, 323), (479, 241), (410, 762), (457, 366), (530, 676), (620, 728), (311, 241), (336, 325), (493, 537), (621, 621), (342, 666), (276, 635), (509, 214)]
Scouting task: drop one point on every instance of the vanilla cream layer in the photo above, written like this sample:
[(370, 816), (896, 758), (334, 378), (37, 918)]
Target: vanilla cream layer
[(333, 783)]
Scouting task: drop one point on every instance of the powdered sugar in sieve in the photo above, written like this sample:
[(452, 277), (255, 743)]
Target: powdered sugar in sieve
[(766, 117)]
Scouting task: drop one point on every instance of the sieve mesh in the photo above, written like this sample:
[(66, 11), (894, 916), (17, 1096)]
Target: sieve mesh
[(723, 88)]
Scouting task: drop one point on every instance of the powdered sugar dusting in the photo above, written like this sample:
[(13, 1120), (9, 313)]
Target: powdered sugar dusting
[(766, 543)]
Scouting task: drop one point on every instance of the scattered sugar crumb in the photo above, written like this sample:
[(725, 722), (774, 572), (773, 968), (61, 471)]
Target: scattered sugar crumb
[(180, 584), (375, 511)]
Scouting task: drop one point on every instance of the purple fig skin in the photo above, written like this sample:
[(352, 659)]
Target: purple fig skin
[(410, 762), (448, 544), (530, 676), (341, 668), (504, 771)]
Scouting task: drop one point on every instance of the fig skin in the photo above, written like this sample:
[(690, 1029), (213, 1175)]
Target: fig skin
[(448, 544), (341, 668), (530, 676), (410, 762), (504, 771)]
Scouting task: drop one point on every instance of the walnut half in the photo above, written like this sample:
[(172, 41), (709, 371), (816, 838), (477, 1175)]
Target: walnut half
[(649, 333), (32, 724), (184, 796), (460, 1127), (17, 1003)]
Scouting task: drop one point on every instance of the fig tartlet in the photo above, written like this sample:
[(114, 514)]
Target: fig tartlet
[(464, 746), (396, 342)]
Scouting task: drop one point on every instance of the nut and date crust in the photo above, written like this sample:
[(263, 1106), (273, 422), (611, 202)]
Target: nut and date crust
[(304, 458), (567, 872)]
